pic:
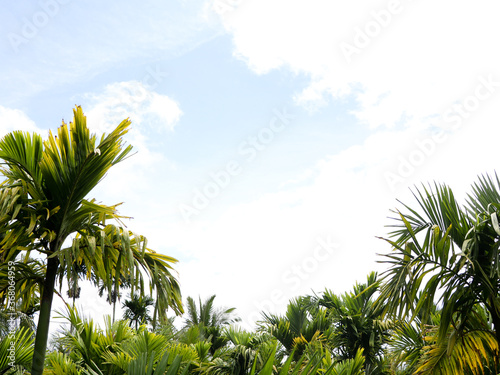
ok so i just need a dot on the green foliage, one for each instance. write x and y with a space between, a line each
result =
443 254
473 351
244 349
447 254
118 349
353 366
86 343
299 327
207 314
16 348
357 323
311 366
85 349
145 365
44 201
406 347
27 274
136 309
206 322
61 364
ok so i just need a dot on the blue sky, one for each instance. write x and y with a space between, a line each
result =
272 137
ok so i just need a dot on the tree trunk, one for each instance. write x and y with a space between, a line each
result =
154 315
42 331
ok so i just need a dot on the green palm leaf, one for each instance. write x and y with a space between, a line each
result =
447 254
44 200
16 349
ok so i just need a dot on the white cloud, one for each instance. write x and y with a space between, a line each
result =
15 119
411 59
135 100
268 247
77 41
257 255
152 115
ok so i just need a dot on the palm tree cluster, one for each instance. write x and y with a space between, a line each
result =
435 310
44 210
207 342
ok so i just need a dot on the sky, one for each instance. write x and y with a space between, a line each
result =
273 138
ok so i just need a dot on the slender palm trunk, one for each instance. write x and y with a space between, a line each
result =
42 331
71 329
154 316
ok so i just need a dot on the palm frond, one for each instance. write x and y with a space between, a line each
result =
16 350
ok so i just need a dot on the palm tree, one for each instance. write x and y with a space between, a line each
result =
448 254
85 348
302 325
358 323
406 346
114 296
166 327
83 344
207 314
208 321
136 309
77 272
245 350
43 202
462 356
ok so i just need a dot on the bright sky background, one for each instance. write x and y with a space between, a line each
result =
273 137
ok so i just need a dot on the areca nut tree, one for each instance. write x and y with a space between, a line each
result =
45 202
446 253
136 310
209 321
303 324
358 323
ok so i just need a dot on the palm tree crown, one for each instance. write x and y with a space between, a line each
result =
447 254
43 201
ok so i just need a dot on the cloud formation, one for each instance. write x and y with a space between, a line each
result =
15 119
404 61
135 100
